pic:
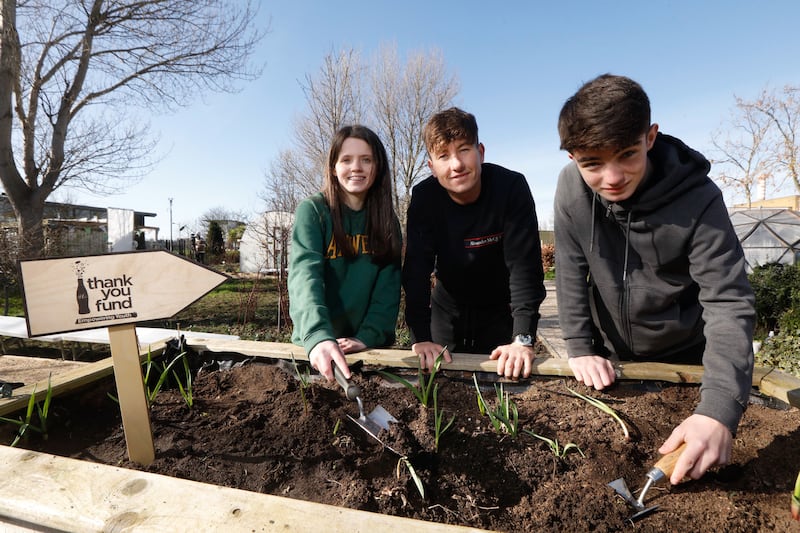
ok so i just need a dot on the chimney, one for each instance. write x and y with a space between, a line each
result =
762 187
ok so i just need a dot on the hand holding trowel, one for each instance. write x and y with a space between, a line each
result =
662 469
378 419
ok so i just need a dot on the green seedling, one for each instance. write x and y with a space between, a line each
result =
185 390
796 499
605 408
337 426
42 411
304 378
184 386
425 387
554 446
162 378
403 461
505 416
438 419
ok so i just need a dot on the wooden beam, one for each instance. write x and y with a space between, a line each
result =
770 381
782 386
70 380
43 491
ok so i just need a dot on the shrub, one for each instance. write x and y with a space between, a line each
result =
781 352
777 291
548 257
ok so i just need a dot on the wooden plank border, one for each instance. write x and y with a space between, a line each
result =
769 381
46 491
43 491
70 380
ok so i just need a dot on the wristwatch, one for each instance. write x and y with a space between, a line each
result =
523 339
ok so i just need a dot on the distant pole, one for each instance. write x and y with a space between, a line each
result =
170 224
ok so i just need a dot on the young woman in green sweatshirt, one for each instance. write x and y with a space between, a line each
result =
344 265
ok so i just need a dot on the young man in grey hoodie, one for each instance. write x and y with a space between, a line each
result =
648 265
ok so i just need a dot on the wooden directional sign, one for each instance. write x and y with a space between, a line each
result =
75 293
115 290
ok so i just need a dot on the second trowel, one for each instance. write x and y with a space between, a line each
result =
378 419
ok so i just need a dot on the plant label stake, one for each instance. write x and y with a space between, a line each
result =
115 290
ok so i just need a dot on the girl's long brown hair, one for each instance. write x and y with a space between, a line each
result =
383 233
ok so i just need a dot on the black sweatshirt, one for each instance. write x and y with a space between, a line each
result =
484 254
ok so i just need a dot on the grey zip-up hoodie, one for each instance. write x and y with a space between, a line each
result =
661 275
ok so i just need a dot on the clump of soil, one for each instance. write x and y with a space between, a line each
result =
251 429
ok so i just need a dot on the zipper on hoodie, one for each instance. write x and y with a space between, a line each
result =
626 293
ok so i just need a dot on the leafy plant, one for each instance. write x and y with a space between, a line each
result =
425 387
605 408
42 412
796 499
505 415
404 461
557 450
781 351
438 419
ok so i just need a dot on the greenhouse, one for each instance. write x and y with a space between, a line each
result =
768 235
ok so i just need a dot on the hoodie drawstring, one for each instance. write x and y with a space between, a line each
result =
591 233
627 247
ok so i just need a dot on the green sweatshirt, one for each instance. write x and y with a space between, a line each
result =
331 296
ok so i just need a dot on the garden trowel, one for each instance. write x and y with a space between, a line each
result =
662 469
372 423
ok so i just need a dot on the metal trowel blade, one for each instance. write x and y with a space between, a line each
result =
621 488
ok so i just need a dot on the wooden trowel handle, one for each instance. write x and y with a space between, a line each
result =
351 390
667 463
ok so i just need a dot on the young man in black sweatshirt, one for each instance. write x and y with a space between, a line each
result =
473 226
648 265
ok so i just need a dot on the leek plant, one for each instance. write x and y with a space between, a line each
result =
796 499
425 387
438 419
403 461
505 416
42 412
304 378
152 366
554 446
605 408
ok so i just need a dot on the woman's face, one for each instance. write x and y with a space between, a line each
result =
355 171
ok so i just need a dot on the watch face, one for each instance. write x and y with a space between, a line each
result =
524 340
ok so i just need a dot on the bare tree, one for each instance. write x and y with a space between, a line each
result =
290 179
403 99
69 69
783 110
743 152
334 100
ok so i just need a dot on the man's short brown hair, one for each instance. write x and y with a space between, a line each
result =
607 112
450 125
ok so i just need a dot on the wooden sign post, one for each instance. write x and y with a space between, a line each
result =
115 290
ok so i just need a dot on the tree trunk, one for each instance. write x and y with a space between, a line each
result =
30 214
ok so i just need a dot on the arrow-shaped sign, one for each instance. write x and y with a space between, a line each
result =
115 290
75 293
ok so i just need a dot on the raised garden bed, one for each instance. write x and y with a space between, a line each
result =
249 429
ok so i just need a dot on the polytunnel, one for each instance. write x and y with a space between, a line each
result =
768 235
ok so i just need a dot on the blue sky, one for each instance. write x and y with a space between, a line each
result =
516 61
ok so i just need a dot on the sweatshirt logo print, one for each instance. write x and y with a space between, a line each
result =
359 242
480 242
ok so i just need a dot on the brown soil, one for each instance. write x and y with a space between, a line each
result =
249 429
